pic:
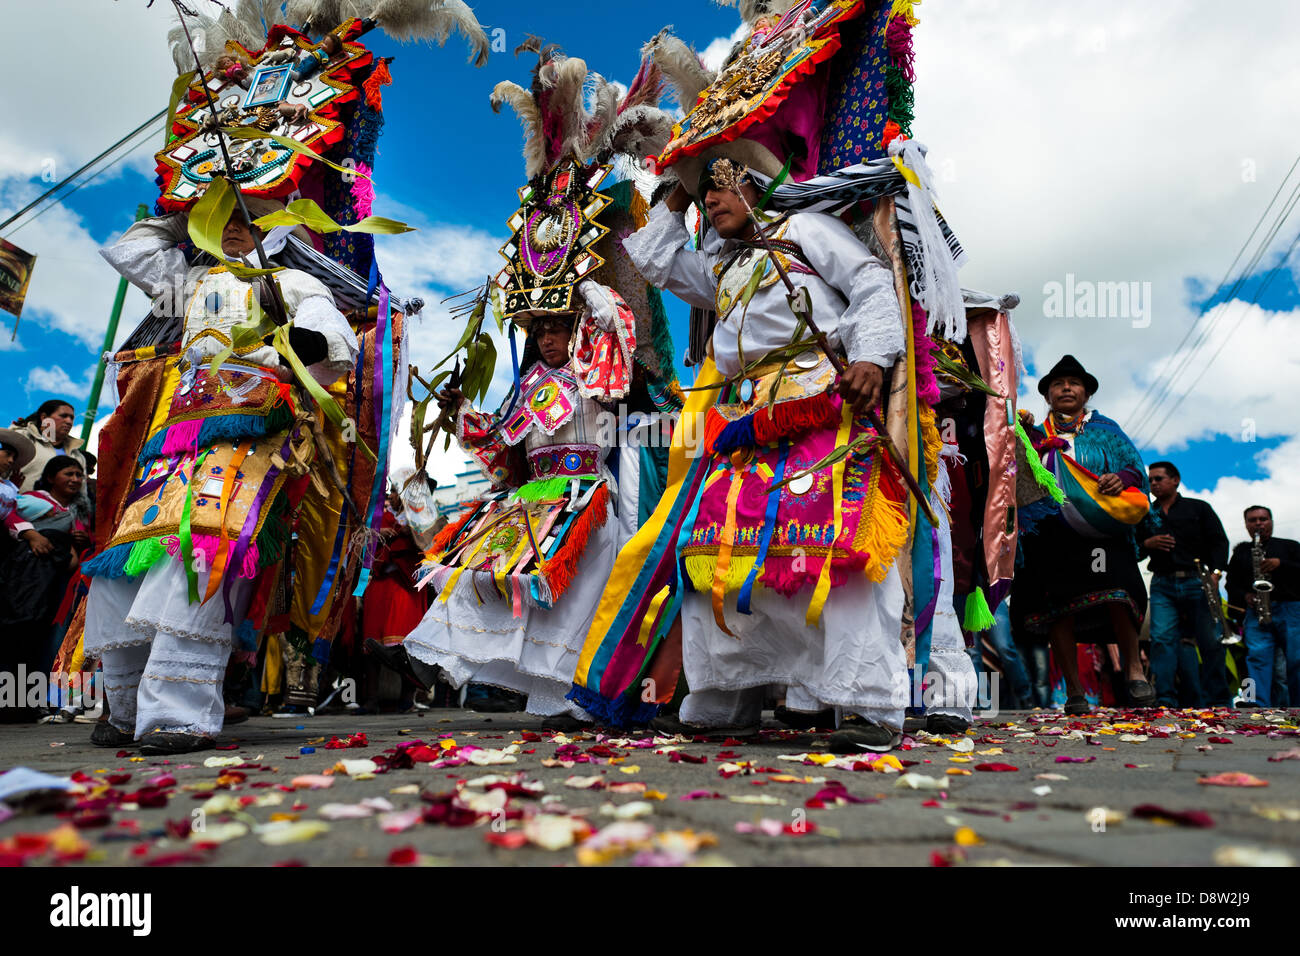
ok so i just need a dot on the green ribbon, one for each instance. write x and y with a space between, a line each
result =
187 539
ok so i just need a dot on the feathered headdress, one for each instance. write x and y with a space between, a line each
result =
248 24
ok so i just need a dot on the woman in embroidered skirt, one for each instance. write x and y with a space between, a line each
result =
1080 582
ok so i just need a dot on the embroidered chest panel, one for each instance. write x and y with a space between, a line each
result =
734 274
548 399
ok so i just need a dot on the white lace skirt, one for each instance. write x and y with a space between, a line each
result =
853 659
477 639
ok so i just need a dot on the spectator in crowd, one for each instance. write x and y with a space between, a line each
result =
49 428
1175 534
1274 626
392 606
1080 581
16 451
50 532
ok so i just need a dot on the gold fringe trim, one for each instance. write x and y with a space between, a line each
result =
931 443
701 569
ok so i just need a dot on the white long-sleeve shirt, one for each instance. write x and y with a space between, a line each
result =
147 256
852 294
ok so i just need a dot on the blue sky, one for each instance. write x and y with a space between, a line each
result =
1065 140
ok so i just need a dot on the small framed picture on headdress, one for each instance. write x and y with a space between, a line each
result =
270 84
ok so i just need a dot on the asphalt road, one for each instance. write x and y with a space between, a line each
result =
458 788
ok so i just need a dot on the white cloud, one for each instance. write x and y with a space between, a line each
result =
111 72
716 52
1279 491
55 379
1093 139
72 287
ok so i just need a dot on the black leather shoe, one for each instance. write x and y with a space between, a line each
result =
565 723
864 736
945 725
1141 694
106 735
164 743
1077 707
803 720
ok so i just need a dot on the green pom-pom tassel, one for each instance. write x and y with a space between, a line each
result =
544 490
978 616
145 553
1045 478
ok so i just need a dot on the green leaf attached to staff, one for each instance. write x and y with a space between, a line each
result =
207 221
328 406
305 212
836 456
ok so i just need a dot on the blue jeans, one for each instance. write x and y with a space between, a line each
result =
1261 646
1178 611
1017 694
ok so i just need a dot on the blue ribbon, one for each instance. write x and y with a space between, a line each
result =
769 525
383 416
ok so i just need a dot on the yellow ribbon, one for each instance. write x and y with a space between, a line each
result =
823 589
727 539
652 616
451 582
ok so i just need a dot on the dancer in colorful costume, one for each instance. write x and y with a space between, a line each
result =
247 485
808 102
520 573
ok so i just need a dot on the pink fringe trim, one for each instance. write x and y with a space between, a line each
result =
182 437
898 41
778 572
210 544
363 192
927 386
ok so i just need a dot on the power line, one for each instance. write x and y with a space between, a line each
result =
1245 311
57 186
1163 387
1208 328
85 182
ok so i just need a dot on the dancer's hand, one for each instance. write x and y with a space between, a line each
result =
450 398
678 199
860 386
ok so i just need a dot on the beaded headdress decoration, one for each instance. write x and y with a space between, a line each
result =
553 238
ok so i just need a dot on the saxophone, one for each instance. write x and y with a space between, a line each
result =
1263 586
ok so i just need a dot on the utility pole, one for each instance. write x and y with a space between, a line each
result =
92 406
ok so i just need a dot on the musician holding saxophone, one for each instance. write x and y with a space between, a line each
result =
1181 537
1264 578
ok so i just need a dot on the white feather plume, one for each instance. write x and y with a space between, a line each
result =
566 78
639 131
603 115
522 102
432 20
681 66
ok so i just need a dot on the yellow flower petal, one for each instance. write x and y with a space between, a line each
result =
965 836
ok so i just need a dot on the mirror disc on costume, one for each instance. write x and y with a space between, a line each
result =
746 390
807 360
543 396
150 515
213 302
801 485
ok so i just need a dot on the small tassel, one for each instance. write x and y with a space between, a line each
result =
379 77
978 617
1045 478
